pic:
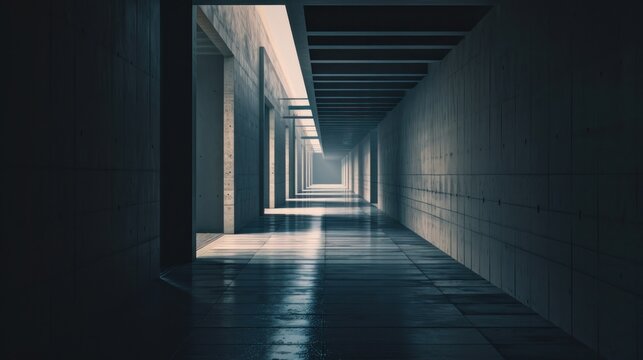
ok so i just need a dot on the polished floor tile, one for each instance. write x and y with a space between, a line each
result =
330 277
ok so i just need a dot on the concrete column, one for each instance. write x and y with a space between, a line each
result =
306 165
291 173
300 166
287 163
209 144
296 164
304 169
263 141
177 236
350 172
228 145
346 170
228 120
350 180
310 168
307 168
373 167
271 159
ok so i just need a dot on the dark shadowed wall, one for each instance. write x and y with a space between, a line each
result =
82 139
520 156
362 163
209 140
80 147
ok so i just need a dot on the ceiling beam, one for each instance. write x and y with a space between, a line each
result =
349 111
359 61
368 74
355 76
358 104
364 89
297 19
345 2
381 47
367 81
360 97
387 33
299 107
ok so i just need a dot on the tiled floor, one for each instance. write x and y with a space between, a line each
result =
329 277
203 239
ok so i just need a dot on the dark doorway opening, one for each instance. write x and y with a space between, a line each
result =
209 139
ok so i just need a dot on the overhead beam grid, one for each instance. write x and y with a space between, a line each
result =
359 61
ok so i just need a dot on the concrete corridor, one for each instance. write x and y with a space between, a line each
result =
163 161
329 276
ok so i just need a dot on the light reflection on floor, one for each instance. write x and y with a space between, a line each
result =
327 276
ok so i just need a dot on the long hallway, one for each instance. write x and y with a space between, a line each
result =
322 179
329 276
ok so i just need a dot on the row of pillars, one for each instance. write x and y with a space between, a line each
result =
178 126
304 160
355 164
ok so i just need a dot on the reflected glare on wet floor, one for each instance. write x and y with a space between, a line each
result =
327 276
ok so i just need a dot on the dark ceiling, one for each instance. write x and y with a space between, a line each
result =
362 59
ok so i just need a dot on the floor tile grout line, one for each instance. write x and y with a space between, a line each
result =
214 304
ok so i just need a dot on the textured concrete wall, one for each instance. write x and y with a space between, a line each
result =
364 163
288 162
519 155
301 168
280 160
373 166
290 145
79 138
351 172
355 171
344 171
241 29
365 160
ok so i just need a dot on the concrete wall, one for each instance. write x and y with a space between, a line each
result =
79 138
373 164
363 165
81 152
241 29
345 181
291 157
279 165
209 143
298 167
356 171
289 165
519 155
